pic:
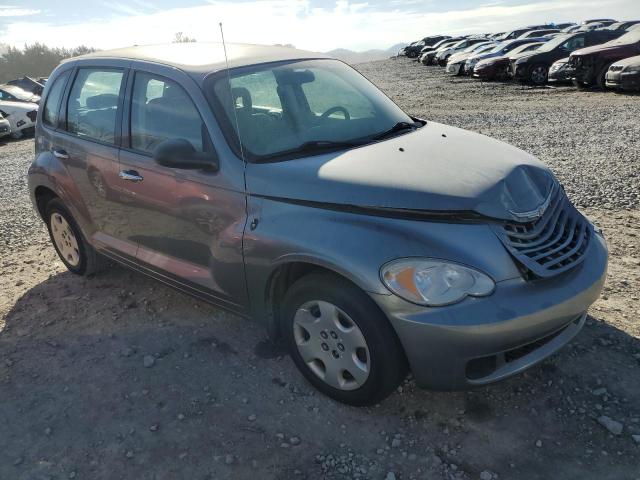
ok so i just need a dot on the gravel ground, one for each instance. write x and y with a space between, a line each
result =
118 376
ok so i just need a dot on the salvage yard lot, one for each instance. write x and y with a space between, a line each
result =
118 376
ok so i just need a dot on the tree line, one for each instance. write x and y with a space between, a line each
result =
36 60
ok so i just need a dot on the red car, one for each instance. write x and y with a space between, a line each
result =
497 68
589 65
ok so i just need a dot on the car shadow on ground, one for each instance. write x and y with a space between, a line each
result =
119 376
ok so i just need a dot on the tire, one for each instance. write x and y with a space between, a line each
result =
579 85
378 367
601 79
77 255
539 74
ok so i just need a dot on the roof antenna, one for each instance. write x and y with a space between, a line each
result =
233 103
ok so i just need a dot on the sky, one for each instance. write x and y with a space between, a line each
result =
318 25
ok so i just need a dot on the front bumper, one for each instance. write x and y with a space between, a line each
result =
623 80
483 340
454 68
559 76
519 72
489 72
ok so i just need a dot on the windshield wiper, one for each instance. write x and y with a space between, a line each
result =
398 127
316 146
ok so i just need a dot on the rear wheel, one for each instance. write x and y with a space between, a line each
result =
77 255
341 341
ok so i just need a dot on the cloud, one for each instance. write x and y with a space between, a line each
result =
358 24
15 11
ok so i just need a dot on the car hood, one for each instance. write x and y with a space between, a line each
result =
435 170
484 56
522 55
460 57
629 61
9 106
492 61
602 48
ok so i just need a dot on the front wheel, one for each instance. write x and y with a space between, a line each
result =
341 341
539 74
601 79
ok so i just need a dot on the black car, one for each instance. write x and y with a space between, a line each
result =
518 32
533 67
413 50
428 54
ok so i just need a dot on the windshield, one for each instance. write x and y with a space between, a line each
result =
526 47
554 42
441 42
477 47
630 37
287 106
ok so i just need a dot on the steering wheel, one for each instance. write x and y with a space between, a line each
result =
342 110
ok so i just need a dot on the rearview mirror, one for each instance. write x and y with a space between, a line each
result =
180 153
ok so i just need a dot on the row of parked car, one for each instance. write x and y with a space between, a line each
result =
19 101
596 53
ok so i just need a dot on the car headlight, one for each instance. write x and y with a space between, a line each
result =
632 69
433 282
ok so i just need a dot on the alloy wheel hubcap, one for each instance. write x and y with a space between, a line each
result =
539 75
65 240
332 345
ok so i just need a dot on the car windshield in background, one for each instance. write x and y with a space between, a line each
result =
553 43
299 108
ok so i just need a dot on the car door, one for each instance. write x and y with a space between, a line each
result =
188 224
86 146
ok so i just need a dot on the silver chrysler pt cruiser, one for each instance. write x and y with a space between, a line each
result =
283 186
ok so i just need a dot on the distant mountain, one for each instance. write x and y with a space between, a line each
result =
349 56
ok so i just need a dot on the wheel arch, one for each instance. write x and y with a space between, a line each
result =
284 274
43 195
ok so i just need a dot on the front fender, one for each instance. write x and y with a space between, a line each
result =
356 245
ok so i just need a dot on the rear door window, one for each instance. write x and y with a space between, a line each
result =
161 110
93 104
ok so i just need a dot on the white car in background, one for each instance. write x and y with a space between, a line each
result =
21 116
5 127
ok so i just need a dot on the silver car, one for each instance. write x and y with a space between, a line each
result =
285 187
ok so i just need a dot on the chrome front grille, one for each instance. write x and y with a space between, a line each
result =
551 244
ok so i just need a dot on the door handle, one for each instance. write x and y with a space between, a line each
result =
60 154
130 176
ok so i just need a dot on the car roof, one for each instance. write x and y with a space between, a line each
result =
203 57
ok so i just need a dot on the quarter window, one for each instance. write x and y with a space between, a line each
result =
162 110
93 104
50 112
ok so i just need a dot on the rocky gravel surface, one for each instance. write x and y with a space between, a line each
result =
120 377
588 138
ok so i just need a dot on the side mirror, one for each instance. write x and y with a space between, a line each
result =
180 153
